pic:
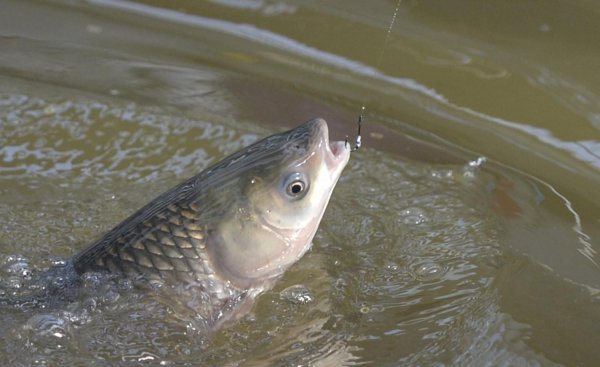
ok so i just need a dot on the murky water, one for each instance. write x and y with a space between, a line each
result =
421 259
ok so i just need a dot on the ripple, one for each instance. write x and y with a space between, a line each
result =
428 271
46 137
297 294
405 249
45 326
414 216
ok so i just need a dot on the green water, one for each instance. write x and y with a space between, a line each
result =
421 259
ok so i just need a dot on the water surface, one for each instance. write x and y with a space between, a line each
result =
423 258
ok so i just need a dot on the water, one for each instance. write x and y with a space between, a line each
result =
427 255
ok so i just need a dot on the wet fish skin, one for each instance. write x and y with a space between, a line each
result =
222 237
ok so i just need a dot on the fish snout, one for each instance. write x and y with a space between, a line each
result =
336 153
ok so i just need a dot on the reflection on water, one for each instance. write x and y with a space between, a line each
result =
416 263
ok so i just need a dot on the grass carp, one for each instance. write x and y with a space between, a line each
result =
219 239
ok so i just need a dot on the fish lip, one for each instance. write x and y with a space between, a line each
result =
337 152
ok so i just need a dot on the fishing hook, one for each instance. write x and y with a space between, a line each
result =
358 141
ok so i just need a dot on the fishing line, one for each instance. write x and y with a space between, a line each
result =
358 141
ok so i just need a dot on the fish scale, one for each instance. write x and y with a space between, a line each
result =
167 245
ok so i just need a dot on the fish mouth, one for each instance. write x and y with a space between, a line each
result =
338 149
337 153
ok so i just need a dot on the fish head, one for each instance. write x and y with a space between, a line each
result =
284 188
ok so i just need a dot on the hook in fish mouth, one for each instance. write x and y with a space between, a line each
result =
358 141
335 153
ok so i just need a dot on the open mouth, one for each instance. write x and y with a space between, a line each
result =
337 148
337 153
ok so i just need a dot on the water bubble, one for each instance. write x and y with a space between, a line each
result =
366 309
48 325
297 294
18 268
413 216
392 266
111 296
91 279
428 270
78 318
58 262
471 168
477 162
442 174
26 274
13 283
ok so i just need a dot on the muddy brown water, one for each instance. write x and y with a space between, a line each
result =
421 259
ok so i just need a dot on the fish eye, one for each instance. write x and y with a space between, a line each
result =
296 188
296 185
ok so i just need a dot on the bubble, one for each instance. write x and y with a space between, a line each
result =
413 216
297 294
13 283
58 262
428 271
78 318
480 161
18 268
471 168
392 266
48 325
366 309
111 296
442 174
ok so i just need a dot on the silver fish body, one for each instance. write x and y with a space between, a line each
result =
224 235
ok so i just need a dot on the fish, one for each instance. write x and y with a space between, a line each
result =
224 236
